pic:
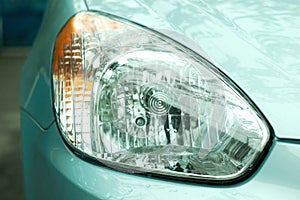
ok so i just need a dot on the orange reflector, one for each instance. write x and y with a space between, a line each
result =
82 22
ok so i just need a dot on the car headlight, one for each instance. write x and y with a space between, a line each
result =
137 101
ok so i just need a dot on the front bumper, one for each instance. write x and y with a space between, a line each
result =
52 171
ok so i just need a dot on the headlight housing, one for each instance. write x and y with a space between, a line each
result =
137 101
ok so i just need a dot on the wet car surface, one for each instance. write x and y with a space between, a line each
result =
255 47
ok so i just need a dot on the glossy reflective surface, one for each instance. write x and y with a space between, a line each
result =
256 43
132 98
35 95
54 172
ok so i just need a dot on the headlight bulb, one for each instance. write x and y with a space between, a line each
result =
158 100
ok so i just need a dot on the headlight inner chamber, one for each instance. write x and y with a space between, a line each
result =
138 101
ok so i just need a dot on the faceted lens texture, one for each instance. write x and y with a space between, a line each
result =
137 101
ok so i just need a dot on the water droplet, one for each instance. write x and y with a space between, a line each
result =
173 190
108 196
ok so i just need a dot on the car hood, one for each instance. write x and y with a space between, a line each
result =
256 43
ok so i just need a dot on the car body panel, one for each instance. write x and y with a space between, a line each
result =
237 41
36 96
266 70
255 43
52 171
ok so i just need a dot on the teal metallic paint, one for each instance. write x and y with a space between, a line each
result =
54 172
35 96
256 43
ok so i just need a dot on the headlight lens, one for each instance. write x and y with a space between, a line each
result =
138 101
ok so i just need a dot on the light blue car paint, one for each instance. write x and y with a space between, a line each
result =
256 43
52 171
36 97
236 36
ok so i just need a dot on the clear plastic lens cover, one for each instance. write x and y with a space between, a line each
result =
138 101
